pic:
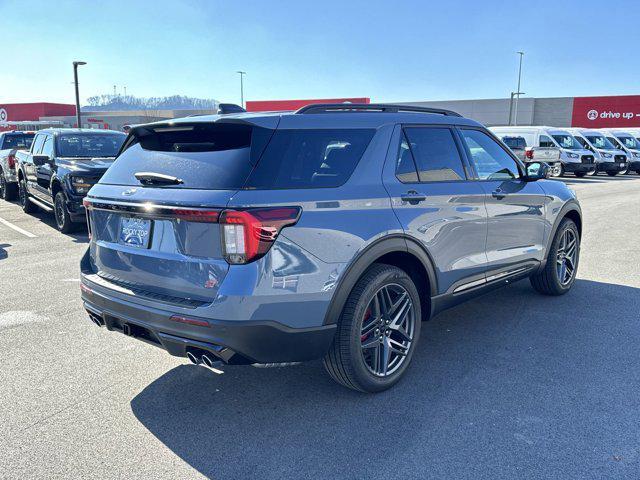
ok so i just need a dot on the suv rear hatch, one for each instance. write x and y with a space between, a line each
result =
153 217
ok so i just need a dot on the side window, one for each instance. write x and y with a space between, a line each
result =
37 144
405 166
489 158
435 154
47 146
582 141
546 141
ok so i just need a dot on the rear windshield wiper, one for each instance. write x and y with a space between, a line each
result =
152 178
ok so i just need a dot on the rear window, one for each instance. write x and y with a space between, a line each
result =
21 141
206 156
89 145
515 142
310 158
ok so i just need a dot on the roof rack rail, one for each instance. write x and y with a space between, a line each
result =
372 107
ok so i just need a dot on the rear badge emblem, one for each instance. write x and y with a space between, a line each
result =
131 191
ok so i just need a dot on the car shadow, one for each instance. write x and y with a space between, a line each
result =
80 235
3 252
502 383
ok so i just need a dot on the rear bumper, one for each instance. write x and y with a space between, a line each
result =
10 176
579 167
234 342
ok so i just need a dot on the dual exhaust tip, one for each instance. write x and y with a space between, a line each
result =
204 359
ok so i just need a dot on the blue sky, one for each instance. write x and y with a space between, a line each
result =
389 51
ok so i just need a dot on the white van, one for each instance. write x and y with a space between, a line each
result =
627 141
573 157
609 159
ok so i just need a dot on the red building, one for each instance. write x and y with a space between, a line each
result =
18 112
282 105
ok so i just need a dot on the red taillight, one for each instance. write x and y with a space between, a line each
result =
11 161
528 154
248 234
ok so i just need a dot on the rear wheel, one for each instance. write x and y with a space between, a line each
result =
23 196
591 173
580 174
7 190
377 331
612 174
63 219
559 273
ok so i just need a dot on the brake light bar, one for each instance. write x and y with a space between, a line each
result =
247 234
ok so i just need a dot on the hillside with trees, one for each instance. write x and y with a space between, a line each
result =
130 102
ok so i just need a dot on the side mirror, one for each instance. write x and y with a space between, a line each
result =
40 160
537 171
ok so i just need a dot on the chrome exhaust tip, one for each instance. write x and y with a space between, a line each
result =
206 359
192 358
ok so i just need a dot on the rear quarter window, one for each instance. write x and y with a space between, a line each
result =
310 158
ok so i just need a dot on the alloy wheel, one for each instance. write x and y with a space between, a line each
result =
60 213
567 257
388 329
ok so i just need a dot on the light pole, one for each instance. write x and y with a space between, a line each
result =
517 92
75 80
242 74
513 94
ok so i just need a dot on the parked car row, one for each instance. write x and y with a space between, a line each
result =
579 151
53 169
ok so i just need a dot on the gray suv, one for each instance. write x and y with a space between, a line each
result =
331 232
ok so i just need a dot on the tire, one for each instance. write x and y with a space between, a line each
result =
548 281
7 190
592 173
63 219
612 174
23 196
580 174
638 172
556 170
355 354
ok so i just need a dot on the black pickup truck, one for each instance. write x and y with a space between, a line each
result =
60 168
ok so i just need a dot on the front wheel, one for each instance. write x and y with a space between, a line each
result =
559 273
377 331
63 219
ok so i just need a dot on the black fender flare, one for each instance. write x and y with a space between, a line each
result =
570 206
368 256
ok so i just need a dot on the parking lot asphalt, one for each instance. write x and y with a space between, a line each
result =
511 385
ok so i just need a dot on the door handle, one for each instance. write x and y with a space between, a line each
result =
498 194
413 197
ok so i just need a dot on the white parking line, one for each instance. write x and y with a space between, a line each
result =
16 228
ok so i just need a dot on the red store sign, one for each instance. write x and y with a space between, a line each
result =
602 112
